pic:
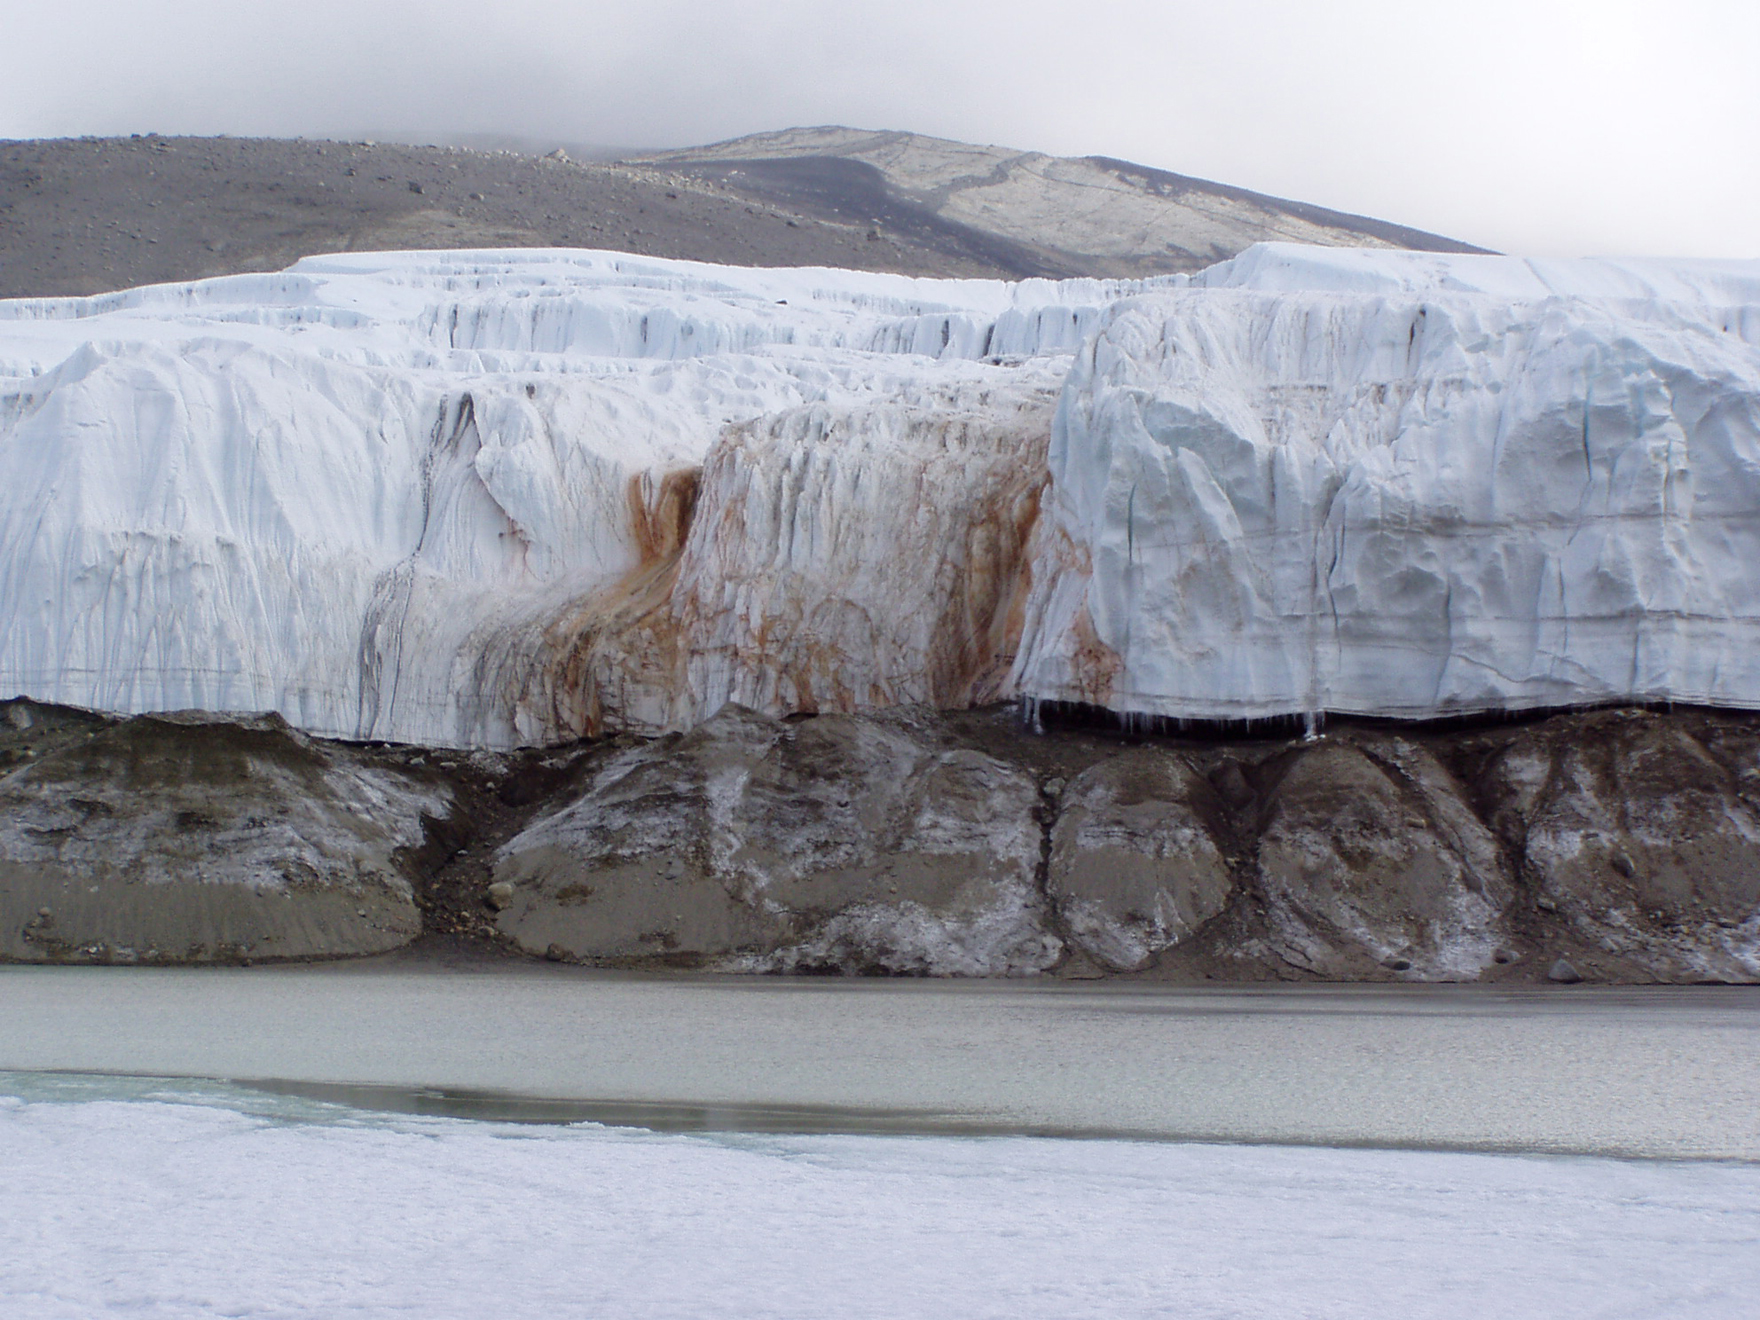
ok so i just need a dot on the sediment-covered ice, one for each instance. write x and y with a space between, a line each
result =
507 497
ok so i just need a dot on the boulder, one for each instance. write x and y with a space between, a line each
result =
840 843
200 838
1135 865
1372 862
1642 840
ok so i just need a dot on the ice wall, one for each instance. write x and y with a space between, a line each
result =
503 497
417 496
1403 484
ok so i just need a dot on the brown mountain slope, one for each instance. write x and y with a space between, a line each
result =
91 214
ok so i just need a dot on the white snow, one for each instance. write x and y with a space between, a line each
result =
444 497
203 1205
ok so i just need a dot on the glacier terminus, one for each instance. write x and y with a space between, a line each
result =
502 498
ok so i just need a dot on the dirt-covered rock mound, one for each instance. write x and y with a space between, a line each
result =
1642 834
195 838
841 843
1369 856
1136 865
1609 846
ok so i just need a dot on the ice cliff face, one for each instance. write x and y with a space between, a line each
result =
418 497
1408 485
513 497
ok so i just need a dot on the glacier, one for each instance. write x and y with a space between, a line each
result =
490 499
1408 485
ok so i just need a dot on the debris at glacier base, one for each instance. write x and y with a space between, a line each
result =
199 838
843 843
902 842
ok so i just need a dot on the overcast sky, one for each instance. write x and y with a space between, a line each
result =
1538 126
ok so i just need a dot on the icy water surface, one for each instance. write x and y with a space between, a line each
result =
1669 1071
1319 1153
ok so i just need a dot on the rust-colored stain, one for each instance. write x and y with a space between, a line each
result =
622 634
1096 665
762 578
979 628
660 510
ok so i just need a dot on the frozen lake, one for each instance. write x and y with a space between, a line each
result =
201 1201
1668 1071
1318 1152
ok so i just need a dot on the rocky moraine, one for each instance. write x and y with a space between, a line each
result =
1616 845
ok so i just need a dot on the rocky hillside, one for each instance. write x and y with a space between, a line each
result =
1615 846
90 215
1037 214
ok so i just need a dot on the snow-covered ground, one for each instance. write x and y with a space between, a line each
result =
208 1203
486 498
